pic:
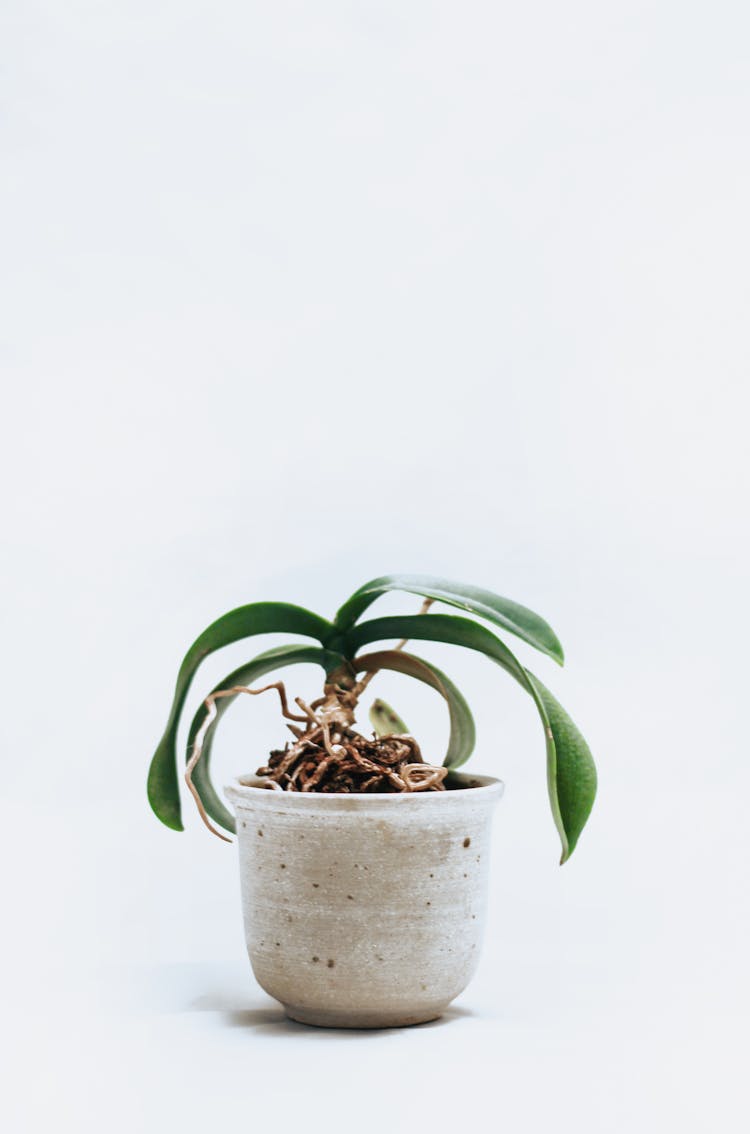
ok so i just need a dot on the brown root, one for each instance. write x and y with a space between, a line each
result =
200 736
346 761
327 754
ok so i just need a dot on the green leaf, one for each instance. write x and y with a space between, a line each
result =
386 720
462 734
519 620
264 663
571 774
244 622
437 628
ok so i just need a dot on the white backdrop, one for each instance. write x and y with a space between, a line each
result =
295 295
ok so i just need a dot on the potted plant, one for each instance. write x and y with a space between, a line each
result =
363 865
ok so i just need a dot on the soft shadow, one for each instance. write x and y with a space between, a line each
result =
233 1008
269 1021
447 1017
273 1021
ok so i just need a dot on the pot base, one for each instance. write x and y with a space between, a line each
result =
322 1018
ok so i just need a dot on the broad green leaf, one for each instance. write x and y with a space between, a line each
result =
462 734
571 774
437 628
251 671
244 622
386 720
519 620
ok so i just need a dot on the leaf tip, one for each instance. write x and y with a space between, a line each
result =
167 810
168 818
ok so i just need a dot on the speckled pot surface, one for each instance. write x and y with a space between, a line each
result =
364 911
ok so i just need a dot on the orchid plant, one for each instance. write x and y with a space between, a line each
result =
327 754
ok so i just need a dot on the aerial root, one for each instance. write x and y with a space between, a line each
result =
422 777
327 755
200 736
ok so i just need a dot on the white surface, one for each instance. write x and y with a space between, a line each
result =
295 295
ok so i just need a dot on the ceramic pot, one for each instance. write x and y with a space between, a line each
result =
364 911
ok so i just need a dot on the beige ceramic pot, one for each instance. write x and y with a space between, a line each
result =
364 911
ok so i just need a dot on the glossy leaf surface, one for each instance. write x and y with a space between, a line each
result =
244 622
571 774
244 675
517 619
462 732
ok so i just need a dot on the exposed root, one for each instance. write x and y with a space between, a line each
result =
327 754
422 777
200 736
346 761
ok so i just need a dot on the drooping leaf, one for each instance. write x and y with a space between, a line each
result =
462 733
517 619
449 628
571 774
244 622
386 720
244 675
571 778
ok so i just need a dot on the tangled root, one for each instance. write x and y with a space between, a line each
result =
327 755
342 760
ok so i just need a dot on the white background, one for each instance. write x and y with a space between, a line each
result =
294 295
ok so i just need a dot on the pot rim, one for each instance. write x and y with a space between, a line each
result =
250 787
